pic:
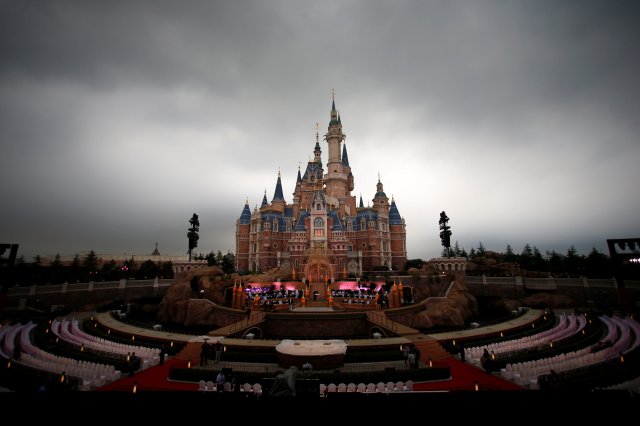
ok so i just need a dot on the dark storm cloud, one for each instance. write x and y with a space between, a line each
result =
118 120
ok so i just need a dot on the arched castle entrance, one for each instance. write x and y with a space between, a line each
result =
319 269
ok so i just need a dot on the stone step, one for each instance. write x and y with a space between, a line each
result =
429 348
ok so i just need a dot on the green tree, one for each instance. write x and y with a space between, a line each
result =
148 270
56 270
110 271
90 264
526 258
480 251
555 262
211 259
166 271
509 255
538 261
456 249
228 262
413 263
573 262
597 265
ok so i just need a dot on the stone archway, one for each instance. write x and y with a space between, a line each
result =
319 269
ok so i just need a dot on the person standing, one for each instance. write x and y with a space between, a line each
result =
218 351
163 352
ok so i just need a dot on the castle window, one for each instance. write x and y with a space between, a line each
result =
318 222
318 206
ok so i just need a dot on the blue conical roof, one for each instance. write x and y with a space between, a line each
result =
394 214
361 203
245 216
277 195
345 157
264 199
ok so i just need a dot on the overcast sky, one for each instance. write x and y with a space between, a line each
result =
119 120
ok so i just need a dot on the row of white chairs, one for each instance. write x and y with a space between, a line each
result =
527 373
210 386
368 388
71 332
91 375
566 327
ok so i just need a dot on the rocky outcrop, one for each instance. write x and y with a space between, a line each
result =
174 305
453 310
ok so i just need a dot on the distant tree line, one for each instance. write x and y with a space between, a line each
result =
570 264
86 269
225 262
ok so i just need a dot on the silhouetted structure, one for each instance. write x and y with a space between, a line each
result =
625 259
445 232
193 233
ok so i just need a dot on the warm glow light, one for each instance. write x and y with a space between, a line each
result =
583 332
133 338
550 344
57 338
9 364
135 387
454 342
621 358
109 331
172 344
501 334
476 386
430 363
46 331
533 325
189 364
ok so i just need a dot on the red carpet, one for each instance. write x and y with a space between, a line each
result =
152 379
464 377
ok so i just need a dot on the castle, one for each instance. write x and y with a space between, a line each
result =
322 234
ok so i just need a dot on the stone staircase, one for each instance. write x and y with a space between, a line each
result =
429 348
190 352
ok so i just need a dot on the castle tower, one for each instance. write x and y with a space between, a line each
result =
338 179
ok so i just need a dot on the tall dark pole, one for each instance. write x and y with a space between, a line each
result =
445 232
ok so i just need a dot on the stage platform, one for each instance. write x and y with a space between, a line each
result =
313 309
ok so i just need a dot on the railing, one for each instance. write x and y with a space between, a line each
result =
382 320
90 286
255 318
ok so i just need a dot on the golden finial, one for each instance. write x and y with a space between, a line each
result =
378 177
333 94
317 134
278 171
